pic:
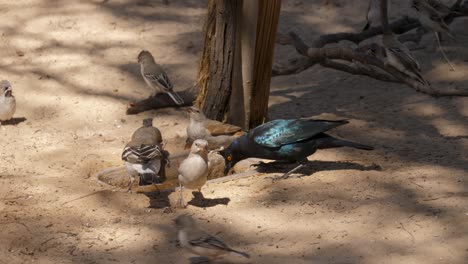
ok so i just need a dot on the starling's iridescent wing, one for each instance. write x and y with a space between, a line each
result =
286 131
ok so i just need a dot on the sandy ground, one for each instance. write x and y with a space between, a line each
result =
73 69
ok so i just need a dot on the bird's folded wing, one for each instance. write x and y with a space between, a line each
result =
406 59
217 128
208 241
286 131
141 154
160 79
438 7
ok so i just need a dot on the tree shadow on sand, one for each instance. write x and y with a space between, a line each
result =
314 166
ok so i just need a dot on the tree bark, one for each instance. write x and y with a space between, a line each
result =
248 34
220 88
216 69
268 17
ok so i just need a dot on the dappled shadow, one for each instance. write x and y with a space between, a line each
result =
159 199
74 78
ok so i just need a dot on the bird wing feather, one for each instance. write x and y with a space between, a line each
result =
141 154
208 241
286 131
406 59
160 79
155 74
217 128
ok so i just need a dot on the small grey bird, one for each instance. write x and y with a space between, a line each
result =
438 7
399 57
193 171
430 17
7 101
372 14
156 77
199 242
430 14
218 134
144 155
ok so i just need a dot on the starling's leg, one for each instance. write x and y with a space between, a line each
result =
442 51
302 163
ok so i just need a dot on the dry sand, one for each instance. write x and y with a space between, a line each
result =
73 69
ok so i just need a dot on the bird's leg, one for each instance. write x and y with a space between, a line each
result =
442 51
130 185
302 163
180 202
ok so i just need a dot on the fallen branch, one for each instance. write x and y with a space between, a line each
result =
324 55
295 66
160 100
358 70
399 27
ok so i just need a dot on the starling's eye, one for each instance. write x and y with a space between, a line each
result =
229 157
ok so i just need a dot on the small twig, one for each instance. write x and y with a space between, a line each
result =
437 198
419 185
412 236
81 197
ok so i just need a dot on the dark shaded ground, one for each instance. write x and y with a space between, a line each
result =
73 70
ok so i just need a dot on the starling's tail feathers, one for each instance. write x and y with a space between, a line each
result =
344 143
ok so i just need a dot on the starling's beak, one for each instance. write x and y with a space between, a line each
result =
189 110
227 167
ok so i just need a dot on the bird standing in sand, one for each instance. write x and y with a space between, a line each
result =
218 134
7 101
199 242
144 155
156 77
290 140
193 171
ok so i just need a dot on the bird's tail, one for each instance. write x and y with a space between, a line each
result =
243 254
345 143
176 98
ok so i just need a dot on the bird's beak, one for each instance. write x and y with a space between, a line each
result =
227 167
189 110
8 92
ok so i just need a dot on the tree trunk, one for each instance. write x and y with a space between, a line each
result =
248 34
267 25
216 68
224 86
